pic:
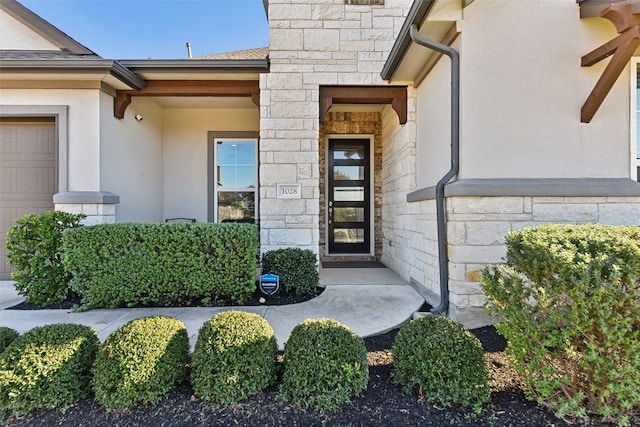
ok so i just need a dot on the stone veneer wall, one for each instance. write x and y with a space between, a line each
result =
476 228
398 180
96 213
98 206
311 43
363 123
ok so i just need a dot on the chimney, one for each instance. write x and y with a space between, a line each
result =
188 50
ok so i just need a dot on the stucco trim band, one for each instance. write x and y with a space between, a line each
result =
543 187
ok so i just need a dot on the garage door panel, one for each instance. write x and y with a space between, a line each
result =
28 175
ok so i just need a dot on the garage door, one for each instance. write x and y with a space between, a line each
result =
28 173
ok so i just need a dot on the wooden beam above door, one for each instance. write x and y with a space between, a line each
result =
396 96
214 88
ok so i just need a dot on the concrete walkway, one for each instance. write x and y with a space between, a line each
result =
369 301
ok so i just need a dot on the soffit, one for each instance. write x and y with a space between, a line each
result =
204 102
593 8
417 56
436 20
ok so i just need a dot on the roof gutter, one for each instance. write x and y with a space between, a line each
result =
105 66
197 65
441 220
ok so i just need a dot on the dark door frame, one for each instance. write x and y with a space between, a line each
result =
366 248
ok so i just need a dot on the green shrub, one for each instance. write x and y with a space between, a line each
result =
47 367
325 365
116 265
297 269
7 336
141 362
234 357
443 361
34 248
569 297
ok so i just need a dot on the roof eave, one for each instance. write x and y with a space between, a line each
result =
92 65
593 8
43 27
417 14
197 65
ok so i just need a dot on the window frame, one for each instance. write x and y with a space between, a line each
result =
213 190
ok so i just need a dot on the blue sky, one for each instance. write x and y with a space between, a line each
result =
157 29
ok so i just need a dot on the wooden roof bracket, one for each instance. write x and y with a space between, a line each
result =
394 95
622 48
222 88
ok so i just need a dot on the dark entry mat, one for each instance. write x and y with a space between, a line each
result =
353 264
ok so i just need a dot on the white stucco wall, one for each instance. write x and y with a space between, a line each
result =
434 124
185 155
131 159
16 36
522 90
83 129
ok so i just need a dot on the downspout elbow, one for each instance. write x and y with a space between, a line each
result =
441 221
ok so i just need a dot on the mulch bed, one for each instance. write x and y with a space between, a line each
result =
257 298
382 404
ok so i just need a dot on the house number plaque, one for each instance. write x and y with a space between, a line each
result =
289 191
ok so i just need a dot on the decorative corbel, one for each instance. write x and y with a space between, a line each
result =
120 104
622 48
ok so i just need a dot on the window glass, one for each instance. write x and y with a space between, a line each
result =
348 235
352 173
236 206
235 178
236 162
348 214
348 194
351 152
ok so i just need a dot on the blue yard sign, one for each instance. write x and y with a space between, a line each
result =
269 284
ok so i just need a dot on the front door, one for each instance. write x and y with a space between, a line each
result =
349 196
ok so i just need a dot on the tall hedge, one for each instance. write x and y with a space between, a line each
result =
34 248
569 297
115 265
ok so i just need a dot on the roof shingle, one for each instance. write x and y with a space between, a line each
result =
257 53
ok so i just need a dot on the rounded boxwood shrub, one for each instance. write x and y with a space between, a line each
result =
234 357
7 336
34 248
325 365
297 269
443 361
47 367
141 362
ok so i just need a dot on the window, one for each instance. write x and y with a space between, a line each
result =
234 180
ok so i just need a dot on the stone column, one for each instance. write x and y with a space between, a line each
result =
311 43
